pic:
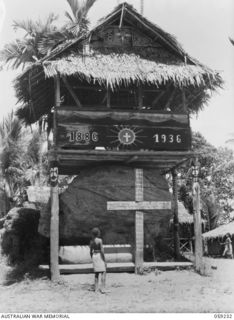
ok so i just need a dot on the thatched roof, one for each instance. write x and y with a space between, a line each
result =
161 62
183 215
220 231
115 69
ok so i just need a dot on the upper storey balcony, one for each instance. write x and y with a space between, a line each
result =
121 93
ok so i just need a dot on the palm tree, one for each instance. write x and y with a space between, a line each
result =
231 140
27 50
35 160
77 25
42 37
11 152
78 22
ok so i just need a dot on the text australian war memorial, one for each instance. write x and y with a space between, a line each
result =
118 103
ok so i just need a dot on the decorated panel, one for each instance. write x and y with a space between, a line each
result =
125 36
114 130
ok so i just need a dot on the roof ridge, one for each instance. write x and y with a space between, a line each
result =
172 41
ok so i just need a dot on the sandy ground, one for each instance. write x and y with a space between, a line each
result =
168 291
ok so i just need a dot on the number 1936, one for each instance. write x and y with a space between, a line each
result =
167 138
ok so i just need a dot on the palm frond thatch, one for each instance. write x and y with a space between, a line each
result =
115 69
165 64
184 216
219 232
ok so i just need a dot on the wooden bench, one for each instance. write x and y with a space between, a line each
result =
81 254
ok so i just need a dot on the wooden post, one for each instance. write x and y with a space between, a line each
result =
108 97
72 93
184 103
175 216
140 97
54 221
139 222
197 219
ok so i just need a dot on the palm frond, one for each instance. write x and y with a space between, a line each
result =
74 29
88 5
67 14
49 41
75 6
231 40
26 25
14 171
19 52
31 28
30 48
78 22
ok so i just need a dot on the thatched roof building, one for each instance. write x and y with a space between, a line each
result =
220 231
123 50
184 216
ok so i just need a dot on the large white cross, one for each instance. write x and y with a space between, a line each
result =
137 206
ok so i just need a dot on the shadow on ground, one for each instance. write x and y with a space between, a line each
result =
22 272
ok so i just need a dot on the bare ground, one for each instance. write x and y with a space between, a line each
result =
168 291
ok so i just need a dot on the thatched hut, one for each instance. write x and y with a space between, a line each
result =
213 239
124 50
186 228
124 93
184 217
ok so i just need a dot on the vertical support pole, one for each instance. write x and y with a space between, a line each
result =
54 225
54 221
140 97
108 97
184 103
175 216
139 222
197 219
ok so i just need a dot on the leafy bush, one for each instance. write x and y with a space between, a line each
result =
21 240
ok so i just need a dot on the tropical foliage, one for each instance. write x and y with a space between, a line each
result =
40 37
19 159
77 21
11 141
23 165
216 181
30 48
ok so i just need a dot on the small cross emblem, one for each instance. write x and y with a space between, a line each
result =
126 136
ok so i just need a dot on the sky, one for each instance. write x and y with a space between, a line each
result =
202 27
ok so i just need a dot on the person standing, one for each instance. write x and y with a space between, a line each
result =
228 252
98 258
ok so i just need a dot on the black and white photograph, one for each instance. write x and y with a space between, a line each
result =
116 158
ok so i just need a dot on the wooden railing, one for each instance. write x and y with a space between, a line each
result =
186 244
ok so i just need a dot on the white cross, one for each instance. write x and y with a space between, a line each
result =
127 136
137 206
